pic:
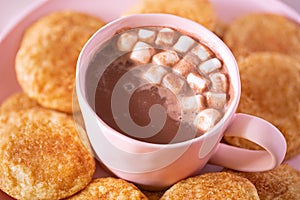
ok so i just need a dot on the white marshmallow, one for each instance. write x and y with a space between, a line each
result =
201 52
183 67
155 74
165 37
126 41
173 83
210 65
192 103
146 35
183 44
219 82
207 119
197 82
192 58
216 100
142 53
165 58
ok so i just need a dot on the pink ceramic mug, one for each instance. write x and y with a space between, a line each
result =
161 165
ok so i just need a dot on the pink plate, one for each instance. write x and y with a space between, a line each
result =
108 10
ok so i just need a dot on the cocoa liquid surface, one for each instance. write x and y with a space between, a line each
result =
108 66
141 100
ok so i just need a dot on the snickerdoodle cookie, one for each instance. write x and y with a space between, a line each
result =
16 102
282 182
201 11
42 156
258 32
216 185
46 60
270 90
109 188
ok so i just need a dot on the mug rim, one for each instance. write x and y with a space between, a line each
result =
119 24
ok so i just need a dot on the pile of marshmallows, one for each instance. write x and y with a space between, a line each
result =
199 69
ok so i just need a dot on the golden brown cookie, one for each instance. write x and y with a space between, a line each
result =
220 28
41 155
217 185
263 32
270 90
16 102
201 11
46 60
109 188
282 182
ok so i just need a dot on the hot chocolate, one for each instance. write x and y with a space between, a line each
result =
157 66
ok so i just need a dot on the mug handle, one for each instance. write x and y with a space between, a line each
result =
258 131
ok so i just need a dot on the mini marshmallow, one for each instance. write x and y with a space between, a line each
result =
192 103
210 65
173 83
155 73
165 37
126 41
142 53
201 52
216 100
219 82
146 35
183 44
207 119
191 58
196 82
183 67
165 58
